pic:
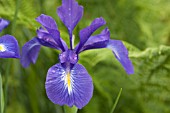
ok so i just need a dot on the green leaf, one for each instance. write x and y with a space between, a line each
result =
116 101
149 84
1 96
151 52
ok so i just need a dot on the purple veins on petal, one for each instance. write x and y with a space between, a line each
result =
88 31
30 52
121 53
70 13
98 41
9 47
3 24
69 87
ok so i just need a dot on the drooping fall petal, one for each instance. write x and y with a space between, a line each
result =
30 52
9 47
69 87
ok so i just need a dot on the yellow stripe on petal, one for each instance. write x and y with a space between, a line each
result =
69 82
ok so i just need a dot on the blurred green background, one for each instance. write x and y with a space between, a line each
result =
143 25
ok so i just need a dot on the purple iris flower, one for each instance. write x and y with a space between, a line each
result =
8 44
67 82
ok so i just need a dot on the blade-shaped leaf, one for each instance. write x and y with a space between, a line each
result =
1 96
116 101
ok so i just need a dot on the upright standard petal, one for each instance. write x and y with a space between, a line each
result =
69 87
70 13
98 41
3 23
121 53
51 26
88 31
9 47
30 52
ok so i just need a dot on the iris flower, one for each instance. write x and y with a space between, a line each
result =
67 82
8 44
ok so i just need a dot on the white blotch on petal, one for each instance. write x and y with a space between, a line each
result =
68 81
2 48
114 51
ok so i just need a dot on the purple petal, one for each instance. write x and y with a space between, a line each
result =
88 31
51 27
47 21
46 39
3 24
99 41
70 13
9 47
121 53
30 52
56 36
69 87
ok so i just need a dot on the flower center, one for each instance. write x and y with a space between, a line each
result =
68 56
2 48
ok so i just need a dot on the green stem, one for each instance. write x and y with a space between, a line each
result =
6 84
70 110
8 65
117 99
1 95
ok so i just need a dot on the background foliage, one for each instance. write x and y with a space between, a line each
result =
143 25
